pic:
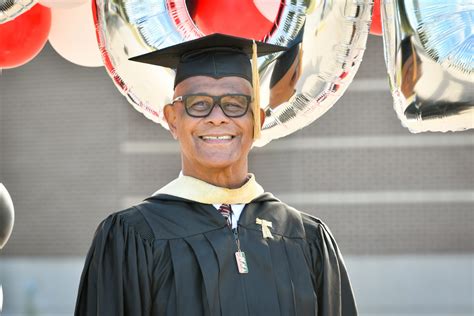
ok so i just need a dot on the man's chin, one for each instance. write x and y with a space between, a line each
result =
218 165
215 162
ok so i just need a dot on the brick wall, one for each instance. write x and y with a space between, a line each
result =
64 131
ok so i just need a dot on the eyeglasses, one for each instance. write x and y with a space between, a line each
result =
201 105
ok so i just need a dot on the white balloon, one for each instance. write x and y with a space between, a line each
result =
62 4
73 36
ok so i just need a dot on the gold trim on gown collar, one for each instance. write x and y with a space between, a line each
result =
197 190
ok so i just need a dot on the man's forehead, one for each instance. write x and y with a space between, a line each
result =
204 84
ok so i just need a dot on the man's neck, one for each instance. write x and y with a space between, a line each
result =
225 178
193 189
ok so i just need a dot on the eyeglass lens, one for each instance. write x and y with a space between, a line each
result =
202 105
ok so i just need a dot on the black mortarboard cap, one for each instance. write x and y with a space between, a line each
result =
215 55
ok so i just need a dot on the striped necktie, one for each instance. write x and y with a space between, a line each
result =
226 211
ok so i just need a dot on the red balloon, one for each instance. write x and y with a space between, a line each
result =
376 26
244 18
23 38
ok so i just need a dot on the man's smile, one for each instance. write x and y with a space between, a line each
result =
216 138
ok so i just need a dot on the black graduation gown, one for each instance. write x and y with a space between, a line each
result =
171 256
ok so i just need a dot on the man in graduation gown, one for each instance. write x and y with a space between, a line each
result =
212 242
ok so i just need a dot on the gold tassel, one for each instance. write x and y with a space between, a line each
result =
256 93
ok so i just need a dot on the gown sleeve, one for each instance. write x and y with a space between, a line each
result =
333 287
117 272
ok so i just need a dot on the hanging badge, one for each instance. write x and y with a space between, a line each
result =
241 262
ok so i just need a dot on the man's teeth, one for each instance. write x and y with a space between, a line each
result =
216 137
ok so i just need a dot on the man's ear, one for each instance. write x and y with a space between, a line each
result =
170 117
262 117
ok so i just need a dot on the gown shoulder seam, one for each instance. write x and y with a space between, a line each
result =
133 217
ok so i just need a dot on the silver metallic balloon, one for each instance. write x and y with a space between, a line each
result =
429 52
333 44
10 9
7 216
328 40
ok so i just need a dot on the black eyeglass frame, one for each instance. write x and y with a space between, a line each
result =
216 100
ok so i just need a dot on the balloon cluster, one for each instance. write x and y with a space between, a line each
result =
26 26
326 41
428 49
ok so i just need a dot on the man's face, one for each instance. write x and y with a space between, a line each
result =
198 137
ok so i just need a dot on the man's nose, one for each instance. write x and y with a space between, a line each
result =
217 116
